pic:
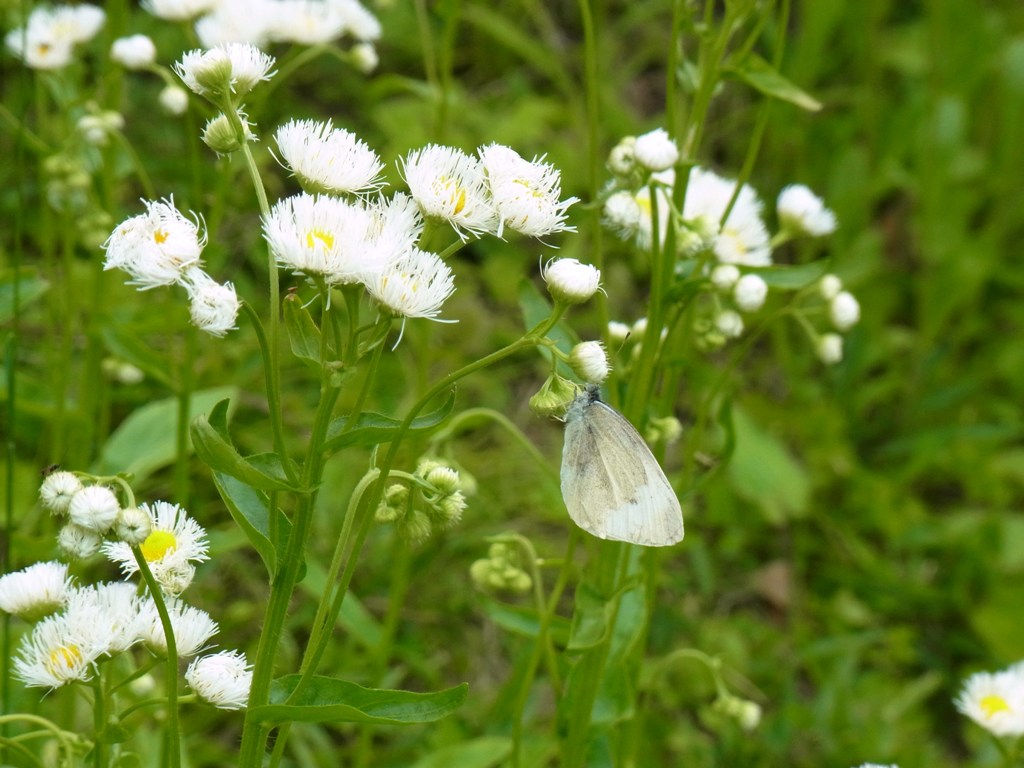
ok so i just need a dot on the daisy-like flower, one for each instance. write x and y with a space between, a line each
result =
234 68
324 236
222 679
416 285
590 362
238 21
175 540
35 591
57 489
743 238
48 38
213 306
449 184
995 701
655 150
110 611
133 52
663 199
526 193
328 159
155 247
192 628
178 10
622 214
571 282
95 508
60 649
803 212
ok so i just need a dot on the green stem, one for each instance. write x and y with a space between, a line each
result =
99 718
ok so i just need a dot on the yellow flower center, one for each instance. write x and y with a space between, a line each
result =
160 236
993 704
63 660
319 237
456 195
158 544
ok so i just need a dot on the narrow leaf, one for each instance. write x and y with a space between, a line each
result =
249 509
524 621
763 77
484 752
795 277
374 428
329 700
303 335
213 445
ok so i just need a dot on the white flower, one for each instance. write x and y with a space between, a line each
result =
328 159
238 21
802 212
192 628
110 611
77 542
323 236
178 10
174 541
223 679
655 150
590 362
232 67
829 287
526 193
213 306
174 99
449 184
48 38
724 276
57 489
133 52
750 292
844 310
663 198
155 247
743 238
414 286
95 508
877 765
830 348
35 591
307 22
729 323
995 701
571 282
59 650
623 213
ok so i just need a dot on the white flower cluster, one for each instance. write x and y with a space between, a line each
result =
843 312
163 247
995 700
50 34
261 22
81 626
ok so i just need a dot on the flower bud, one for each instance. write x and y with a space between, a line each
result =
221 135
94 507
78 543
133 525
133 52
724 276
174 100
622 158
57 491
571 282
829 287
553 397
589 361
830 348
729 323
844 311
656 151
750 292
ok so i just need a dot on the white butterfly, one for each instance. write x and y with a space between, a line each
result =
612 485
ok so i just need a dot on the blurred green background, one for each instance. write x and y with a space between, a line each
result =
864 551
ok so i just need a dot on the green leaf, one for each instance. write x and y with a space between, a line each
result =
250 510
589 619
524 621
28 285
213 445
374 428
795 277
303 335
145 441
763 77
485 752
328 700
765 474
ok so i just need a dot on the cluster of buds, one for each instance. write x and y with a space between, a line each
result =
501 569
430 499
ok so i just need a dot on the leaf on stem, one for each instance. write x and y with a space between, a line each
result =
249 509
374 428
793 277
764 78
303 334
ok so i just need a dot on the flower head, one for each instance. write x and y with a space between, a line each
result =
449 184
178 10
35 591
590 362
174 542
60 649
57 489
526 193
155 247
571 282
231 68
110 611
328 159
133 52
742 237
416 285
48 38
223 679
995 701
213 306
803 212
192 628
